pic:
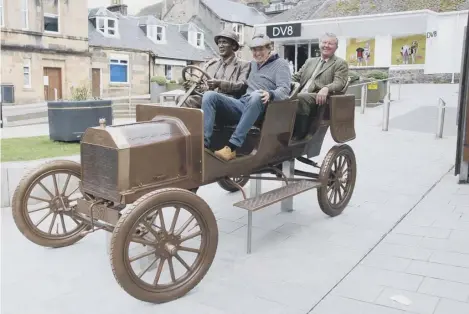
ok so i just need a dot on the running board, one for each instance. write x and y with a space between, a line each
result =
263 200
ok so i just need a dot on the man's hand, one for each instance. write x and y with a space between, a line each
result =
186 84
212 84
265 96
321 96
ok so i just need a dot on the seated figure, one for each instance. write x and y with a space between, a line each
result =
269 80
229 72
319 77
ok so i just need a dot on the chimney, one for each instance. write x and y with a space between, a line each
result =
118 6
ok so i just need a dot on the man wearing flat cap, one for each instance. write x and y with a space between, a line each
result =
229 72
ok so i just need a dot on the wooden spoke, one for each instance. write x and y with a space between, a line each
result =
52 223
158 272
181 230
188 249
191 236
179 258
143 272
171 270
175 218
142 255
43 218
66 184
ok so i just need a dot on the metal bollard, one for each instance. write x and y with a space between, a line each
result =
386 108
441 118
363 98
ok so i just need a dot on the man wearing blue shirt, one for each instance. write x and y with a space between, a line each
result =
269 80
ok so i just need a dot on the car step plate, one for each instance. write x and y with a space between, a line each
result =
272 197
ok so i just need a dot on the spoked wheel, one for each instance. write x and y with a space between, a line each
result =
164 245
43 204
227 185
338 174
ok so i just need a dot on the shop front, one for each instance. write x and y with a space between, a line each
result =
422 40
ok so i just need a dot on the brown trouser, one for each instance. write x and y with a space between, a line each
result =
306 103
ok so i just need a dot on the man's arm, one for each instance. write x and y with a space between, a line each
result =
283 79
238 85
340 77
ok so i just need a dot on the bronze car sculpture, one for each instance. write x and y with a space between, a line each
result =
129 173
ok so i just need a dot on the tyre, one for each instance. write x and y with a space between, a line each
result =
338 174
43 184
164 245
227 185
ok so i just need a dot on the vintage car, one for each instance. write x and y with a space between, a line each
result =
130 173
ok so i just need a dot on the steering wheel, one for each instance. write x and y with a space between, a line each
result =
197 81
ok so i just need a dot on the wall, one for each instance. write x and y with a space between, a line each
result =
139 72
75 72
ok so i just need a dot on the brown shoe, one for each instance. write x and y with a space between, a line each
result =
226 153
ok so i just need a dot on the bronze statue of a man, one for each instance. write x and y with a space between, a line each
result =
229 72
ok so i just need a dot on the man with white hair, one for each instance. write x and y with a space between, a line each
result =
319 77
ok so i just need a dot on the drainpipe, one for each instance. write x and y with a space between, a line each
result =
149 71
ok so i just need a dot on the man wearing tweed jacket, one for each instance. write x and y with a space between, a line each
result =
318 77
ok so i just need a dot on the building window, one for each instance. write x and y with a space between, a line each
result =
223 25
238 29
107 26
119 69
27 73
1 13
25 14
199 40
51 16
155 33
168 73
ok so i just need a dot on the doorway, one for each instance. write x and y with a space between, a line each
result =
52 84
304 52
96 82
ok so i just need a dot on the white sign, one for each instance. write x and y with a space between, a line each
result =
46 81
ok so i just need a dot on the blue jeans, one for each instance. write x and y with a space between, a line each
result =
246 110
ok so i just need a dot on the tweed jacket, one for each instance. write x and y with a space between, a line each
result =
334 74
233 81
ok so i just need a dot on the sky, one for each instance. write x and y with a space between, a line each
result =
134 6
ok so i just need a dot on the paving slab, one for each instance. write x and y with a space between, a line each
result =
301 262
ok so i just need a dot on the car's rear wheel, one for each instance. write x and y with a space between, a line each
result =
338 174
227 185
163 246
45 198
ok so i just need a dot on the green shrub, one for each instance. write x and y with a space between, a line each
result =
354 76
173 81
160 80
80 93
377 75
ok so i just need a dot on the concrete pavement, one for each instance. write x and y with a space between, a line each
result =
401 237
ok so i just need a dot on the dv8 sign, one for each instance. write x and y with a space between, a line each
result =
284 30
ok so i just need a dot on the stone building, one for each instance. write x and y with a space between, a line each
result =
212 16
127 51
44 49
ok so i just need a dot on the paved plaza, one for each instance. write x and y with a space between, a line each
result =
401 246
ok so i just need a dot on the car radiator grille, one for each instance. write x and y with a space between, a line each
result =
100 170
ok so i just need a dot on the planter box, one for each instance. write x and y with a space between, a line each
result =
173 86
155 91
68 120
376 96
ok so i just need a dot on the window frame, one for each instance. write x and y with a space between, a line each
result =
25 14
154 31
168 67
106 27
51 15
202 40
119 60
27 64
2 16
238 28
